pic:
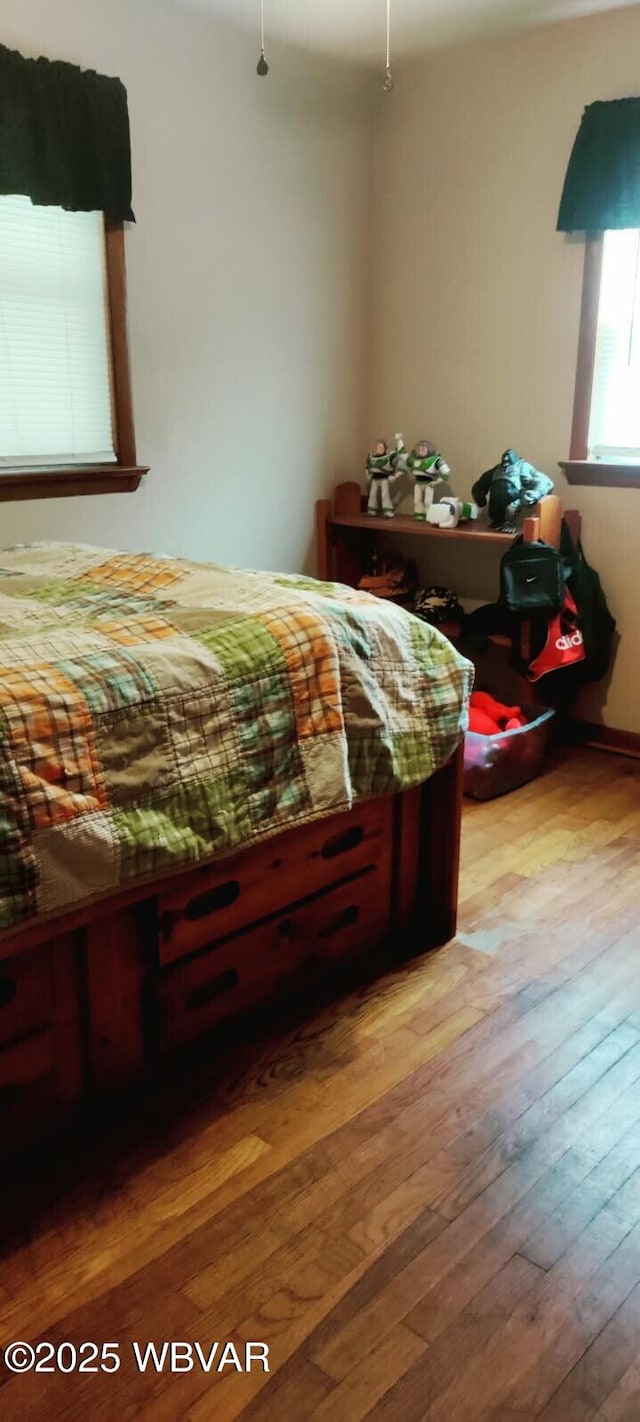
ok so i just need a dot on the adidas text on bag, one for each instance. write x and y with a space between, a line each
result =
564 646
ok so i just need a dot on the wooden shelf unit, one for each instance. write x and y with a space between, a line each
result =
404 523
346 533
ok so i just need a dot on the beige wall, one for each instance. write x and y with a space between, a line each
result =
477 297
247 281
259 367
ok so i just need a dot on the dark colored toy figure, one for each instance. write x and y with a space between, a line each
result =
437 605
509 487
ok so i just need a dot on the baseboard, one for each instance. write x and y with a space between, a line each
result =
606 738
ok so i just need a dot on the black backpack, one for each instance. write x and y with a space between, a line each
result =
596 622
531 580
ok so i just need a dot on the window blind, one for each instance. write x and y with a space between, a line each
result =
55 381
614 429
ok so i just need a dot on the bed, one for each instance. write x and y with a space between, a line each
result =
214 784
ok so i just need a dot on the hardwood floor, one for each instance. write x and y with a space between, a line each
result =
425 1198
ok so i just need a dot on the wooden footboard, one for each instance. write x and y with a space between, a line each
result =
94 998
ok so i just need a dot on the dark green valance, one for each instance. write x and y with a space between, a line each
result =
64 136
602 185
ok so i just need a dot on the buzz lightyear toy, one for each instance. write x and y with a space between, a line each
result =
427 466
449 512
383 465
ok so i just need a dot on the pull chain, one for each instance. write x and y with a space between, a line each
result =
262 67
388 78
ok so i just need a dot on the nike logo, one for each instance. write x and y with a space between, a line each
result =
531 580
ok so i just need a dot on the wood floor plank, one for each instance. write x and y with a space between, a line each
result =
432 1374
623 1405
293 1392
375 1378
567 1223
546 1334
600 1370
468 1165
406 1289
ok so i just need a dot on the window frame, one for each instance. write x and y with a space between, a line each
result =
125 474
578 469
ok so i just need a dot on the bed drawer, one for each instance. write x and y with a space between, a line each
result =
28 1079
223 898
25 993
239 972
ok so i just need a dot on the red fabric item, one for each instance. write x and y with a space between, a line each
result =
482 724
484 702
564 644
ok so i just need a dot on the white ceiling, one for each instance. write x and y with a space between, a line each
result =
356 28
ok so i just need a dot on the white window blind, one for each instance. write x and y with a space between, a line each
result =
614 428
55 382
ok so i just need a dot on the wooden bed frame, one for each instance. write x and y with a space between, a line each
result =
97 996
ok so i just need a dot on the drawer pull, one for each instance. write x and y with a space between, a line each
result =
8 991
342 843
201 906
221 897
345 919
207 992
10 1094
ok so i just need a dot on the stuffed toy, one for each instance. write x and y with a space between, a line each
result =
480 724
488 717
509 487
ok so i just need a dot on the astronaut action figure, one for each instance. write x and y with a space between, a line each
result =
427 466
383 465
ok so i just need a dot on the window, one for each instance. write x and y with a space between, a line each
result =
614 426
65 399
605 442
55 384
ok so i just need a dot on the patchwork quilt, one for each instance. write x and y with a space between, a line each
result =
155 712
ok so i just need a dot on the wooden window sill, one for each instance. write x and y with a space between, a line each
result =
598 473
65 483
